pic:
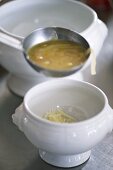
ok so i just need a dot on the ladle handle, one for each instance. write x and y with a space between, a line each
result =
10 40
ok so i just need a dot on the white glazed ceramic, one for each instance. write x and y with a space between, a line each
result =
22 16
65 144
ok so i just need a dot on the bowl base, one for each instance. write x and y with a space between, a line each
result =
20 85
64 161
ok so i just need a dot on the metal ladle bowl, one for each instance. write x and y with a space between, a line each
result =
46 34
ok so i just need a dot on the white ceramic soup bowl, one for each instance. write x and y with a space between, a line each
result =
21 17
65 144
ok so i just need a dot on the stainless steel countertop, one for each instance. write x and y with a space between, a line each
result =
17 153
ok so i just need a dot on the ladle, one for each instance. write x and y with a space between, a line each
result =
45 34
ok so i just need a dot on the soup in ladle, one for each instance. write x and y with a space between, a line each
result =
58 54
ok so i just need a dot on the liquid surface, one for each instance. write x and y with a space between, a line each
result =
58 54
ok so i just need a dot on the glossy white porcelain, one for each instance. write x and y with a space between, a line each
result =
23 16
65 144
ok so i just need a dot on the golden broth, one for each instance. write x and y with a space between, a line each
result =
58 54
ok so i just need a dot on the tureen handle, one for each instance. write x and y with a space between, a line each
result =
102 28
110 117
96 35
19 117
